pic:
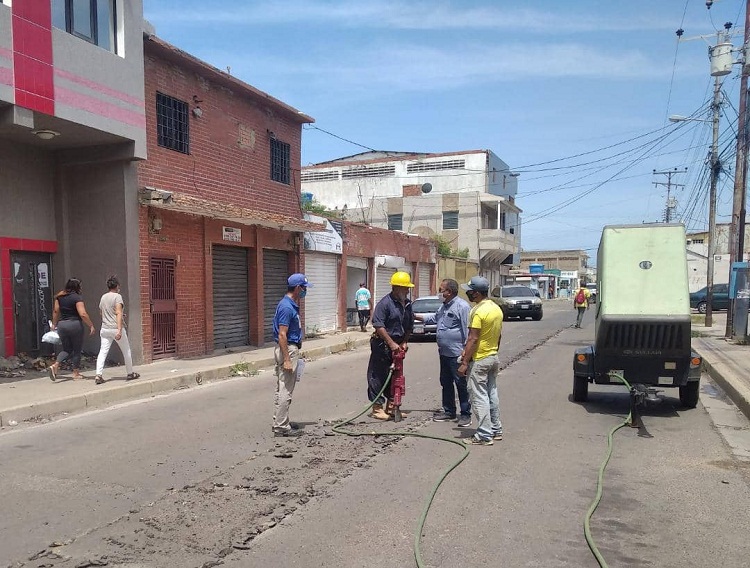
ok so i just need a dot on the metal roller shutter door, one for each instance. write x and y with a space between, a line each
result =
382 282
424 279
321 302
275 274
231 306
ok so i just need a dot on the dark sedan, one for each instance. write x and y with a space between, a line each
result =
720 298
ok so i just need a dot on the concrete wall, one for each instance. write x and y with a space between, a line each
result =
6 55
500 182
97 212
340 192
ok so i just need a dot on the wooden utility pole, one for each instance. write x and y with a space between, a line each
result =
715 170
737 229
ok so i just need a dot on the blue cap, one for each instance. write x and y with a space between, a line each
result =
478 284
298 280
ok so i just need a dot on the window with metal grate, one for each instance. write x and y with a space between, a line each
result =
450 220
280 161
396 222
172 124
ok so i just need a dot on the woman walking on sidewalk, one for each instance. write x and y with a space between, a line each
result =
68 318
111 308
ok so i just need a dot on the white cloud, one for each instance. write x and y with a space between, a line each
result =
408 15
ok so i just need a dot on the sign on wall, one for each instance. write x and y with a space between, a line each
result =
323 241
231 234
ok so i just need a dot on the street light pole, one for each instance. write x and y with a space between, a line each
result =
715 169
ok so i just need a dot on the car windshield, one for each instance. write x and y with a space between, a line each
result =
517 292
426 306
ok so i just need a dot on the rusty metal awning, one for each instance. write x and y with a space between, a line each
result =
182 203
496 259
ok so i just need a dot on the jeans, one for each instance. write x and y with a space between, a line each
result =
579 319
484 396
107 336
285 381
71 336
377 370
451 382
364 317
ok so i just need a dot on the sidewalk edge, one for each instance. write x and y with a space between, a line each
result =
735 389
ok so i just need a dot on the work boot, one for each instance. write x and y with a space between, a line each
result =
378 413
389 410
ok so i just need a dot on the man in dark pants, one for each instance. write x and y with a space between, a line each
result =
393 321
452 321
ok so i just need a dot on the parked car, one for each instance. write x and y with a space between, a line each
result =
518 301
720 298
425 306
591 287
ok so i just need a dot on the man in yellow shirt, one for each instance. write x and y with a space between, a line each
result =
581 303
479 360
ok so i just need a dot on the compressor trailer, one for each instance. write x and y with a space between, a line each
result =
642 330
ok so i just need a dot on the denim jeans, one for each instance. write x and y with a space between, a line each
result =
579 319
451 382
484 397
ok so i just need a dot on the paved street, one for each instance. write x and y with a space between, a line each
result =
194 478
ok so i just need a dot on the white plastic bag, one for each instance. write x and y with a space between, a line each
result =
300 368
51 337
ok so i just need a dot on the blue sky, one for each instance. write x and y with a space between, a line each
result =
572 94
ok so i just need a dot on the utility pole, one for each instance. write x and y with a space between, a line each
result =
715 170
737 230
671 201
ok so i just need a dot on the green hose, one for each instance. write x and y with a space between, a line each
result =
600 484
428 502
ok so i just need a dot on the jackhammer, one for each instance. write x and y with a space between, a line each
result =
398 383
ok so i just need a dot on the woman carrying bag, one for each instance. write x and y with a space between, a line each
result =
68 319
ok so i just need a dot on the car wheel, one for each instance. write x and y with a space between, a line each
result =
581 388
536 317
689 394
701 307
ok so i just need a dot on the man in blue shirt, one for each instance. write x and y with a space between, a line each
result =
452 329
364 305
393 321
287 333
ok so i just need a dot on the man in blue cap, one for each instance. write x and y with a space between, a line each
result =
287 333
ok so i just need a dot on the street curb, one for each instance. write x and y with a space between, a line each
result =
149 387
736 391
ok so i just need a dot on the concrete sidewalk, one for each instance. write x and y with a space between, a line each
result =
726 362
37 398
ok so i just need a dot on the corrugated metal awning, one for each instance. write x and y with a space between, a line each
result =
181 203
496 260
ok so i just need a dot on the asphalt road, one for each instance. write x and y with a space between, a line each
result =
194 478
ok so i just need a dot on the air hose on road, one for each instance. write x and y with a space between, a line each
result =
338 428
600 483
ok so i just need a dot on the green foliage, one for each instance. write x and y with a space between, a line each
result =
316 208
444 248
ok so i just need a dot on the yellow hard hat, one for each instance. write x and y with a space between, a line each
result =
401 279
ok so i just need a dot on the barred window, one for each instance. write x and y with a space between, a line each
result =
450 220
396 222
172 124
280 161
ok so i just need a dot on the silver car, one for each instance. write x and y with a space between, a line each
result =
425 306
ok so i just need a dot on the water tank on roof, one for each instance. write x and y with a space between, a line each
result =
536 268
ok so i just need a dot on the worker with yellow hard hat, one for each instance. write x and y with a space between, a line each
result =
393 320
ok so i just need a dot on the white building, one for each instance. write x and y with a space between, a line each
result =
467 198
697 256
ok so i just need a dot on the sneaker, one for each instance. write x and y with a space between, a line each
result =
474 441
497 436
443 417
464 421
286 433
132 376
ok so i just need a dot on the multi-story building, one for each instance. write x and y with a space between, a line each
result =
220 220
72 125
697 256
566 270
467 199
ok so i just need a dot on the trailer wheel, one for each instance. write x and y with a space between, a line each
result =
581 388
689 394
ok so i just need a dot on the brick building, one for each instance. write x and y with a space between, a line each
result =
220 221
